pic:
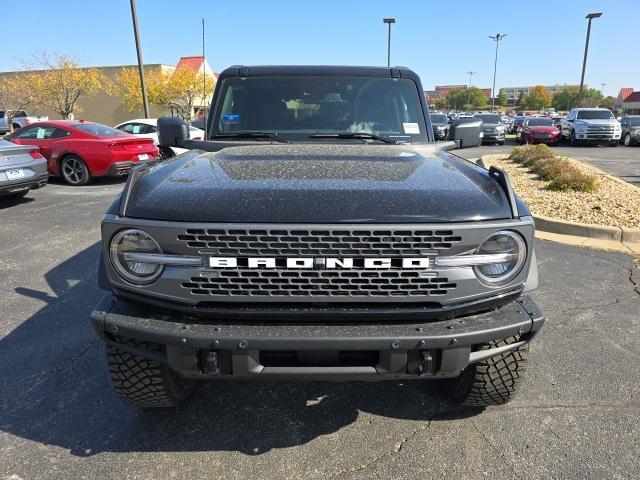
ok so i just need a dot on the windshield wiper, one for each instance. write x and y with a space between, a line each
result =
269 135
357 135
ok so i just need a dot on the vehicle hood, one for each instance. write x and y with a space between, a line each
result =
543 129
317 183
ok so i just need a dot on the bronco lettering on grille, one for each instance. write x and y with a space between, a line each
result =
320 263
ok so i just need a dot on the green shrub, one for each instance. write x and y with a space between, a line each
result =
570 178
527 155
547 168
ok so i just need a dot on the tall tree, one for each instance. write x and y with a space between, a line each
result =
566 99
60 82
472 97
538 98
180 90
591 97
501 99
14 97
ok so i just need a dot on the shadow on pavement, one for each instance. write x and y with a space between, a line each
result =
54 390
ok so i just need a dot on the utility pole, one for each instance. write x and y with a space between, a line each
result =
469 89
590 17
496 39
389 21
134 17
204 84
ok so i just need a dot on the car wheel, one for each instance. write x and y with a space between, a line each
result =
143 382
501 143
490 382
627 140
572 139
74 171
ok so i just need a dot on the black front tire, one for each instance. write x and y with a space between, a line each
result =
572 139
494 381
145 383
627 140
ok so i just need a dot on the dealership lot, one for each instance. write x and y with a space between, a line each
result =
60 418
623 162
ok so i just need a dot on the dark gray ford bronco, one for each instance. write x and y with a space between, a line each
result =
318 232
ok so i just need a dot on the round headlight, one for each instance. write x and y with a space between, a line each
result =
134 241
511 253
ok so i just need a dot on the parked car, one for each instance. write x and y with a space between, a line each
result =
592 125
19 120
440 125
363 250
148 128
79 150
493 130
630 129
22 168
539 130
516 123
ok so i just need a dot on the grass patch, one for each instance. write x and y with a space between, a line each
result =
559 173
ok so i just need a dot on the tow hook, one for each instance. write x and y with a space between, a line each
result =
425 365
210 364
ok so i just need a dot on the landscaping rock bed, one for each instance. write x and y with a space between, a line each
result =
613 203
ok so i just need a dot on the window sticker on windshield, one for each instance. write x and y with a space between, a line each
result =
40 133
231 118
412 128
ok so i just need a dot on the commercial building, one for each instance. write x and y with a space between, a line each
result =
109 109
514 93
628 101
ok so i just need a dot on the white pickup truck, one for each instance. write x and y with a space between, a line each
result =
594 125
19 120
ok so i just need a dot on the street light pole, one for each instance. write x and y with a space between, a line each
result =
496 39
469 89
590 17
134 17
389 21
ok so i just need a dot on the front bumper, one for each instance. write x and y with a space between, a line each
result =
199 348
493 137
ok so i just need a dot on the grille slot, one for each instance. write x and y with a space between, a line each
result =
318 283
337 243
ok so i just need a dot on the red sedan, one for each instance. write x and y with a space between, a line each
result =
79 150
539 130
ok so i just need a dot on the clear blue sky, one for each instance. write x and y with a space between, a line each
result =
441 40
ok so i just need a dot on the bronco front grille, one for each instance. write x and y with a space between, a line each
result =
281 283
337 243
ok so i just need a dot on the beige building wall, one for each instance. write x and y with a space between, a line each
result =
101 107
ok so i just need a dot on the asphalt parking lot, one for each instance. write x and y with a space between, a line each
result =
578 415
623 162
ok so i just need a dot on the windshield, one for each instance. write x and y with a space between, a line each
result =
298 106
100 130
489 118
540 122
438 118
594 115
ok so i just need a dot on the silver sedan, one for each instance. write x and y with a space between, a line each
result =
22 168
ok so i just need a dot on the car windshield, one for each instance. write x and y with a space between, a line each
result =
489 118
594 115
296 107
540 122
100 130
438 118
634 121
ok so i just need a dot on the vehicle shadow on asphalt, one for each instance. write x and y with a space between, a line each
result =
54 390
9 202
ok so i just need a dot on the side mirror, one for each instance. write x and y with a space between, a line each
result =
172 131
467 132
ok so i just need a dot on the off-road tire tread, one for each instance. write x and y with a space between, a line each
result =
493 381
143 382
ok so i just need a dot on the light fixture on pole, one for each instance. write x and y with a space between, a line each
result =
496 39
602 85
590 17
469 89
389 21
143 87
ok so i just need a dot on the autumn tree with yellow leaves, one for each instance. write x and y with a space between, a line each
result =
58 82
178 90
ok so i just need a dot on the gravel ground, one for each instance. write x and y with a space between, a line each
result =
615 203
